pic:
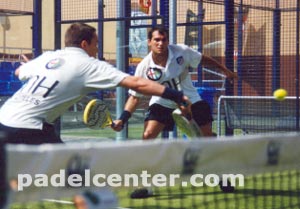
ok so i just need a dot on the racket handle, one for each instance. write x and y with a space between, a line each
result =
188 116
113 125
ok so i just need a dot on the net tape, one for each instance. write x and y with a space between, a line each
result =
248 156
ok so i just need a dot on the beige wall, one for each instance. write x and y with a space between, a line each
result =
48 24
19 34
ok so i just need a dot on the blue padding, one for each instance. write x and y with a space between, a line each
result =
16 65
207 94
4 89
15 86
6 76
131 70
9 83
3 86
6 66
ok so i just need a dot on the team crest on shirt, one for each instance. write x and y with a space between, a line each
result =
154 74
180 60
54 63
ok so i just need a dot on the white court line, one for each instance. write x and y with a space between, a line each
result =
59 201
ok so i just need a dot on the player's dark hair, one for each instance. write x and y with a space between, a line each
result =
161 30
77 33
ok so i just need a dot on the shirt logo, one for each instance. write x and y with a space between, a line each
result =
55 63
180 60
154 74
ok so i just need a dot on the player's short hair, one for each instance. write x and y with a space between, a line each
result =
161 30
77 33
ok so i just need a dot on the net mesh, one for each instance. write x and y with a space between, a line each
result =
264 55
264 174
260 114
8 7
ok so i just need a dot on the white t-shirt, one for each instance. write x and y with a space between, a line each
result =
175 75
54 82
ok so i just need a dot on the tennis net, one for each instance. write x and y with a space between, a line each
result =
263 172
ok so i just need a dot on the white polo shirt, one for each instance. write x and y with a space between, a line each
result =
54 82
175 75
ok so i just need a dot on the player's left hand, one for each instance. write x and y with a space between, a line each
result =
231 75
25 58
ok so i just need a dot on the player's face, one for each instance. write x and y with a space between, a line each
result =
158 43
92 48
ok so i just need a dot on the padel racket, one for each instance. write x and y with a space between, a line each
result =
96 115
186 125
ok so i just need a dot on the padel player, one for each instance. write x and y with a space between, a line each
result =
169 65
57 80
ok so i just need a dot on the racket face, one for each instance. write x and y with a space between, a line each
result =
184 125
96 115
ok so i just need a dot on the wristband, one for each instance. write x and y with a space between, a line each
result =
125 116
176 96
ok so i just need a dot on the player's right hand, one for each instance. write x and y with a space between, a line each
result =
186 107
118 125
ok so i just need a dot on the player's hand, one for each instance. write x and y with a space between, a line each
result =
185 107
230 75
24 58
118 125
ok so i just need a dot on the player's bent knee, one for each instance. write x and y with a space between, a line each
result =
149 135
206 130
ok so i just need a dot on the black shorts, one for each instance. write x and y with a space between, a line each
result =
201 113
161 114
29 136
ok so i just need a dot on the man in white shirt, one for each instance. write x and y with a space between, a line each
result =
169 65
56 80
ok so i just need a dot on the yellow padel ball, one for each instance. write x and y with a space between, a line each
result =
280 94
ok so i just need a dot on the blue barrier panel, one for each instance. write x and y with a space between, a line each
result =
6 76
4 89
131 69
16 65
15 86
207 94
6 66
9 83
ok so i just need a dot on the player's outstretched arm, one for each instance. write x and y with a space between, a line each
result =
209 61
142 85
148 87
